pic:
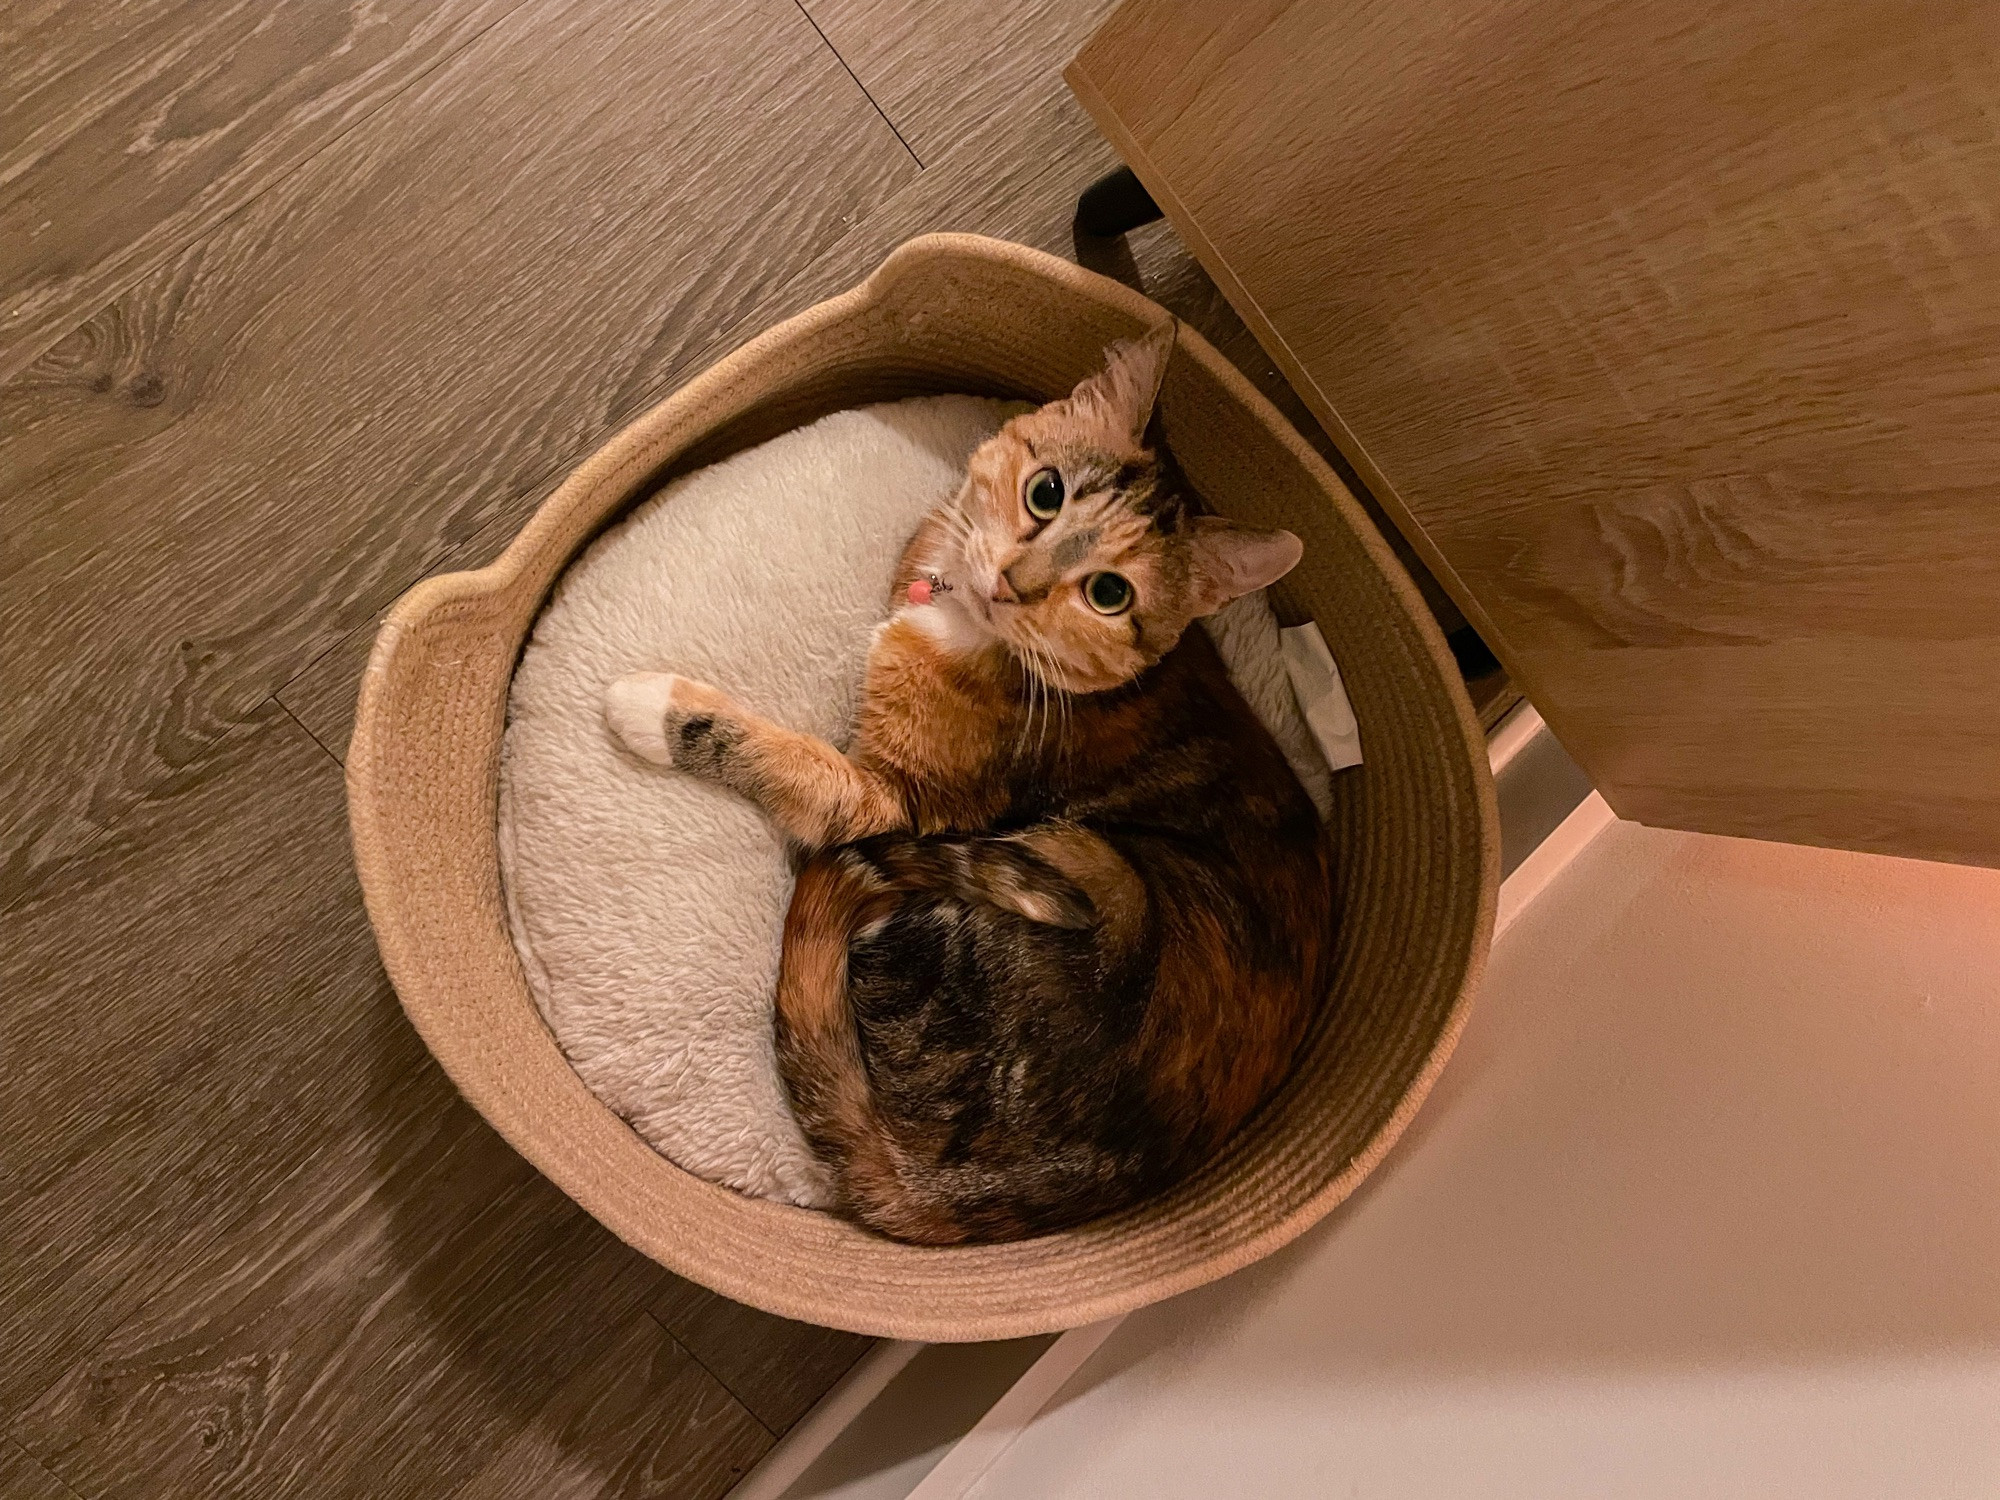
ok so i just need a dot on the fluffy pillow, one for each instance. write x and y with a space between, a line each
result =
647 905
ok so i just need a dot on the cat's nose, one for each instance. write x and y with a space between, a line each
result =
1004 591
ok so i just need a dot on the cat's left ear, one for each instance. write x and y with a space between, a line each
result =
1116 403
1230 561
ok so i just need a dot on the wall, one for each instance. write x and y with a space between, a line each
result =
1708 1203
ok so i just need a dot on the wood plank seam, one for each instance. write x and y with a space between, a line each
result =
22 1457
859 84
703 1365
286 710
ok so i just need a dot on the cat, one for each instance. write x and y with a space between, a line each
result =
1064 911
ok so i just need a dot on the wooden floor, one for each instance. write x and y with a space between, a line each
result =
296 307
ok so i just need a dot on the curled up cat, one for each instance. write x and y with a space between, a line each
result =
1064 912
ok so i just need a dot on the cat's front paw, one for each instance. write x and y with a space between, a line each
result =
668 719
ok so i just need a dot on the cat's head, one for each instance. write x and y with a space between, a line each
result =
1074 547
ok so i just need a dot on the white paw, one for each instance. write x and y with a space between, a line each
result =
635 710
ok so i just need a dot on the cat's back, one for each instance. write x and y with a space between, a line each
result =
1240 879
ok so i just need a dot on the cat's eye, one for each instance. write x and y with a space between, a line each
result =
1044 494
1108 593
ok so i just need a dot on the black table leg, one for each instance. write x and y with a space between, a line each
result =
1114 203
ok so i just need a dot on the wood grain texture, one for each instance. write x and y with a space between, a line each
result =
940 69
323 697
194 1008
642 1421
1674 339
21 1478
88 1249
110 999
775 1367
380 1328
128 127
255 448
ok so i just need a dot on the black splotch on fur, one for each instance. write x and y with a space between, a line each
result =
702 743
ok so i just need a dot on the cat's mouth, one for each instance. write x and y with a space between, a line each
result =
952 589
998 621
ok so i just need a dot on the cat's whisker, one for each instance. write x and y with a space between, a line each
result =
1030 687
1027 712
1034 665
1062 701
1062 732
1044 665
960 524
1048 710
1052 706
1060 695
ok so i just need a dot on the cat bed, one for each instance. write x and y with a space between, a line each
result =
648 906
1413 827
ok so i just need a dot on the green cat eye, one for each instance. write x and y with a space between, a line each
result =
1108 593
1044 494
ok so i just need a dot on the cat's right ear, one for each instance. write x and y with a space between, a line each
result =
1116 403
1231 561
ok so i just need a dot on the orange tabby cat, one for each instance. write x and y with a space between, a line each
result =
1066 911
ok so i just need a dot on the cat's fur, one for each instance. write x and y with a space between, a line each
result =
1066 911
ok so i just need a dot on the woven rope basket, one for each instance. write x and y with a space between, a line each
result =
1414 829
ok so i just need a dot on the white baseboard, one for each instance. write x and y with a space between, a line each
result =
814 1433
1512 736
1591 817
959 1470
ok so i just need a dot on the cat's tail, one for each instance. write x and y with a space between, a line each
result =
839 895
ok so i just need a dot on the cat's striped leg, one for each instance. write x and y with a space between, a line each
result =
809 789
